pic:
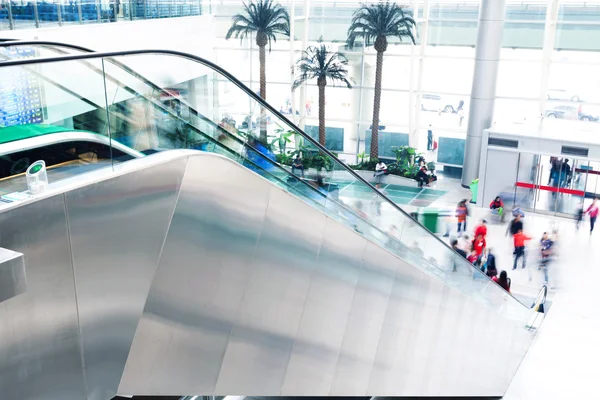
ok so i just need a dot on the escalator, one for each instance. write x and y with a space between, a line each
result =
228 271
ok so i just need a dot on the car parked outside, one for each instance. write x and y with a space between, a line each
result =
435 102
565 111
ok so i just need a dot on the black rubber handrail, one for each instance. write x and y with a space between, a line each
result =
152 85
249 92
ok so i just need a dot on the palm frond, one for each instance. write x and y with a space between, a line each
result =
320 62
380 20
263 16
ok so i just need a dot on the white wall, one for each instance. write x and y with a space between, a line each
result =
193 35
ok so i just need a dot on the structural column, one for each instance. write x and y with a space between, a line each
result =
483 92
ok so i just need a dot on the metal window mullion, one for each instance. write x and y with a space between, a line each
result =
79 12
11 22
36 15
421 61
59 12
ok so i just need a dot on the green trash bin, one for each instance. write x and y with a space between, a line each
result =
428 217
474 187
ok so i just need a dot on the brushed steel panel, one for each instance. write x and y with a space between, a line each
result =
338 267
202 275
316 350
40 355
261 343
117 230
12 274
376 281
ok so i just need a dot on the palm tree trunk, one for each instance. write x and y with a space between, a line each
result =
263 92
322 113
376 105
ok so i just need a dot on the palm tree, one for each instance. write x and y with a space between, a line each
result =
374 23
266 19
324 65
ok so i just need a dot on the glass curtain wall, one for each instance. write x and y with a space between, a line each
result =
548 67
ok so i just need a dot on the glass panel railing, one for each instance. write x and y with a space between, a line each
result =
155 102
18 14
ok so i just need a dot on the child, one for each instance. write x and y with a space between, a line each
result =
579 214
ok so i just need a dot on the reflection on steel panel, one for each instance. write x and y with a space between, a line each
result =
202 275
40 356
193 275
12 274
257 293
117 231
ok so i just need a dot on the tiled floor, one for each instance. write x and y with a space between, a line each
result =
401 195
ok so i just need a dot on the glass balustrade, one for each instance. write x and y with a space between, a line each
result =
141 103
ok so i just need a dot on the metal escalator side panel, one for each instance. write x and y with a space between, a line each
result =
117 229
239 304
40 354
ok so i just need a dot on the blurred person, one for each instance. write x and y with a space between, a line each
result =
565 173
503 281
461 252
593 211
579 212
461 116
465 243
297 164
519 241
429 139
491 269
422 177
392 237
473 257
462 212
546 251
417 249
479 244
497 207
481 229
377 199
358 209
380 171
555 163
515 225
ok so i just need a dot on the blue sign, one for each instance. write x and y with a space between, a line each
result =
20 91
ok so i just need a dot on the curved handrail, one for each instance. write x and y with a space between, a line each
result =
540 299
117 63
248 92
15 42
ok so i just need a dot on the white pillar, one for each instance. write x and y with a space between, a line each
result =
415 112
483 92
549 38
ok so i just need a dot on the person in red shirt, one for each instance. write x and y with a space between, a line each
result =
593 211
478 247
519 240
481 229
